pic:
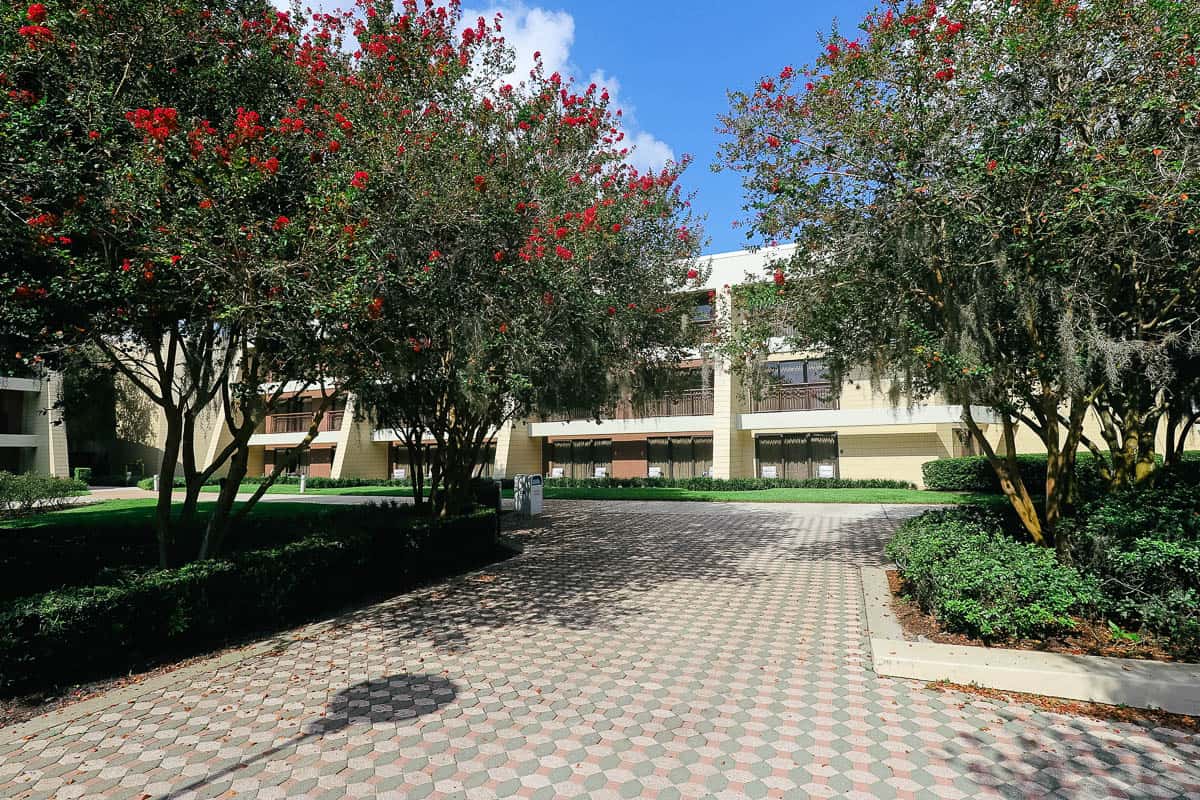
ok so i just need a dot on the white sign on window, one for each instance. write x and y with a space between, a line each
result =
601 472
556 472
825 470
656 472
399 474
770 472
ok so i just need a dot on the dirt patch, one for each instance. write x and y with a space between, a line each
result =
1132 716
1089 639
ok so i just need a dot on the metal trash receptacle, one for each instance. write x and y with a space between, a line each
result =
528 495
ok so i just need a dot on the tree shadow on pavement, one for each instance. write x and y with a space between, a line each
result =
397 699
587 570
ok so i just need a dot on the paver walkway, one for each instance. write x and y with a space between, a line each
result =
635 650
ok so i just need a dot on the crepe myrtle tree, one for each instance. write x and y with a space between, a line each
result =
521 262
993 201
157 210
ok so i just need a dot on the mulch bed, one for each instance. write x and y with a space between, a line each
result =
1089 639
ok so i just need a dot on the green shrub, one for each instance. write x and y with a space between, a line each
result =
1144 547
83 474
311 483
82 632
976 580
975 474
29 492
729 484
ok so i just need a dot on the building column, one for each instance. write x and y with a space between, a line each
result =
44 418
517 453
733 448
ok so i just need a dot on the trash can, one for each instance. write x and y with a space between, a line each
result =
528 495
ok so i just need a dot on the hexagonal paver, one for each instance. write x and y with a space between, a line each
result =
634 650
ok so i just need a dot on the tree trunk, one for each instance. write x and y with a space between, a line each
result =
166 486
1007 470
218 522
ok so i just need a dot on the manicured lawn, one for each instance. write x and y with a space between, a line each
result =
132 512
898 496
906 496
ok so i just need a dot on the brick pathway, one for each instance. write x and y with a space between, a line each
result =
635 650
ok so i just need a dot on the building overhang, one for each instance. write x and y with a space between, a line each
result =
618 427
864 421
18 440
33 385
290 439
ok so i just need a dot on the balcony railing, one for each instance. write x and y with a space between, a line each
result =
688 403
300 423
796 397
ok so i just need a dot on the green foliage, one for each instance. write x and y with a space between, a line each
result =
977 580
975 474
1144 547
29 492
728 484
137 617
311 483
83 474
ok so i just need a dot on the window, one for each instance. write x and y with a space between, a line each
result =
313 462
580 458
680 456
964 443
797 456
798 373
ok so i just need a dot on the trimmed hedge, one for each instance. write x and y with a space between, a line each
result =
29 492
975 474
976 580
75 634
728 484
312 483
1144 547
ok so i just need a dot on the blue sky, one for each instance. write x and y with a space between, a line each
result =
672 63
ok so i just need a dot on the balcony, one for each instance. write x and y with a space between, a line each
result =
688 403
796 397
300 423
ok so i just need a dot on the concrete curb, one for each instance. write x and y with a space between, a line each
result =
1115 681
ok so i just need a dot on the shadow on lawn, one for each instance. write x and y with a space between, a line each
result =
397 699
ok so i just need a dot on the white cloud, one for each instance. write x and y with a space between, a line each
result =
532 30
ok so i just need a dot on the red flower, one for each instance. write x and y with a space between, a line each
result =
480 183
504 327
435 255
36 12
36 34
692 274
548 298
768 85
616 228
126 265
271 165
281 222
561 233
773 141
779 277
176 259
786 73
206 204
833 50
499 256
334 145
612 311
563 253
93 134
992 165
359 181
375 308
156 124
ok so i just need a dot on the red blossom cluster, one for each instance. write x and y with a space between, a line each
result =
35 35
36 13
157 124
